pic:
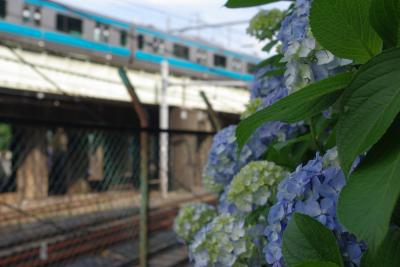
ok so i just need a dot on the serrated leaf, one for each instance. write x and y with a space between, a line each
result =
249 3
388 254
367 201
343 27
306 239
385 18
369 106
302 104
317 264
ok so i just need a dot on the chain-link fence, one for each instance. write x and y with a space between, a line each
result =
69 196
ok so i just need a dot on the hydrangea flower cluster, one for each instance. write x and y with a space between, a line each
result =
191 218
270 89
225 241
265 91
306 60
313 189
254 185
224 163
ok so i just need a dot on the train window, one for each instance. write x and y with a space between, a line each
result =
251 67
237 65
158 46
123 38
106 34
201 57
101 33
26 14
3 8
140 41
69 25
37 17
97 33
181 51
219 61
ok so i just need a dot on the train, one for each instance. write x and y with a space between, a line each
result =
53 27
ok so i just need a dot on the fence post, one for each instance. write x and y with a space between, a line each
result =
144 187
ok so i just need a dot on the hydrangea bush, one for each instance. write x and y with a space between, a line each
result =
340 56
254 185
191 218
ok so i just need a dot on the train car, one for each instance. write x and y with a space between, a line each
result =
63 29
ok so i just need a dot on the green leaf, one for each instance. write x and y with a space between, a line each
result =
343 27
388 254
272 73
385 18
317 264
302 104
367 201
369 106
270 45
272 61
254 217
249 3
290 153
306 239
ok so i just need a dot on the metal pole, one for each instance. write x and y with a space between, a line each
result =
164 125
211 112
144 195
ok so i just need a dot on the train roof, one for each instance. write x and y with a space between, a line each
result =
144 29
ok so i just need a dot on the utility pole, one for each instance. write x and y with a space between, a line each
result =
164 125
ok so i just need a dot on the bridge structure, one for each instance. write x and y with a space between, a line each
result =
71 147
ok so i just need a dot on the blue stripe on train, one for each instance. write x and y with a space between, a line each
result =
184 64
61 38
141 29
55 37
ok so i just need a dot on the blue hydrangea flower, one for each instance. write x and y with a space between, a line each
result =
306 60
313 189
295 26
191 218
272 88
223 161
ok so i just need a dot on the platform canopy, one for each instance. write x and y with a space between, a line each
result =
45 73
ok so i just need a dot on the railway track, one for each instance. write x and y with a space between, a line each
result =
60 247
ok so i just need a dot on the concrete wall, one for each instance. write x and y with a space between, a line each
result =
188 152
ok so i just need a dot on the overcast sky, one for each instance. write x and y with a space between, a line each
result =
175 14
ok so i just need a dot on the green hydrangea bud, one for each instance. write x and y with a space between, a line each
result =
191 218
255 184
223 242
